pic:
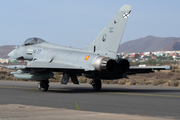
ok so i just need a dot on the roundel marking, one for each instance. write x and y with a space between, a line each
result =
87 57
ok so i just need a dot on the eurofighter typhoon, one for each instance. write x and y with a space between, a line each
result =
98 61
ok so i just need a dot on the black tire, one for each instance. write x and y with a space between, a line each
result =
97 84
44 85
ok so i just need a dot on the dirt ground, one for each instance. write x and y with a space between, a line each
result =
27 112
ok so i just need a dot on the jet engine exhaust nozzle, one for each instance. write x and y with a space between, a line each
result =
123 65
104 63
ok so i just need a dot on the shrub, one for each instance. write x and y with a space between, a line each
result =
2 77
141 82
174 83
122 82
82 80
9 78
3 72
158 82
133 82
174 68
8 74
53 80
147 82
177 78
114 82
107 81
170 74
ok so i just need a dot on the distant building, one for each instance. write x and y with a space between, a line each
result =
4 61
153 57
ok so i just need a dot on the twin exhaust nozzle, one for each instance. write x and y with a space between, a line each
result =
108 64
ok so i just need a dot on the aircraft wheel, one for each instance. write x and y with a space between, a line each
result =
39 85
97 84
44 85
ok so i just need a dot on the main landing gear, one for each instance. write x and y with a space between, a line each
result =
96 83
43 85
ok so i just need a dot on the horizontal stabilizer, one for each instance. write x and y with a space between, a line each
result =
135 70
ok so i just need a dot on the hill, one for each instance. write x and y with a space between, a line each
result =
150 44
4 50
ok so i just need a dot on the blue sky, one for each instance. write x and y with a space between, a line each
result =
77 22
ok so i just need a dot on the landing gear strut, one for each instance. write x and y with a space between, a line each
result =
43 85
96 83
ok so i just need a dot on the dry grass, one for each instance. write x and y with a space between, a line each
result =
167 77
141 82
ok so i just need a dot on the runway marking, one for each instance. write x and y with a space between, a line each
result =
143 94
98 92
16 87
31 88
59 89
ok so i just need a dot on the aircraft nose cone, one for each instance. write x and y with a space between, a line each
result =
11 53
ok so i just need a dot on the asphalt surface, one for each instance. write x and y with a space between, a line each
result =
121 99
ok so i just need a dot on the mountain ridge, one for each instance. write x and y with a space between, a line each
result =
150 44
4 50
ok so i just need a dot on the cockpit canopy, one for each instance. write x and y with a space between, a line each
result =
32 41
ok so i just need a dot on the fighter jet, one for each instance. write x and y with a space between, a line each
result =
97 61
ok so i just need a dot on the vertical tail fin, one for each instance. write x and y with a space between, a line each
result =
110 37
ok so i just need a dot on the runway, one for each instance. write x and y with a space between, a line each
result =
121 99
